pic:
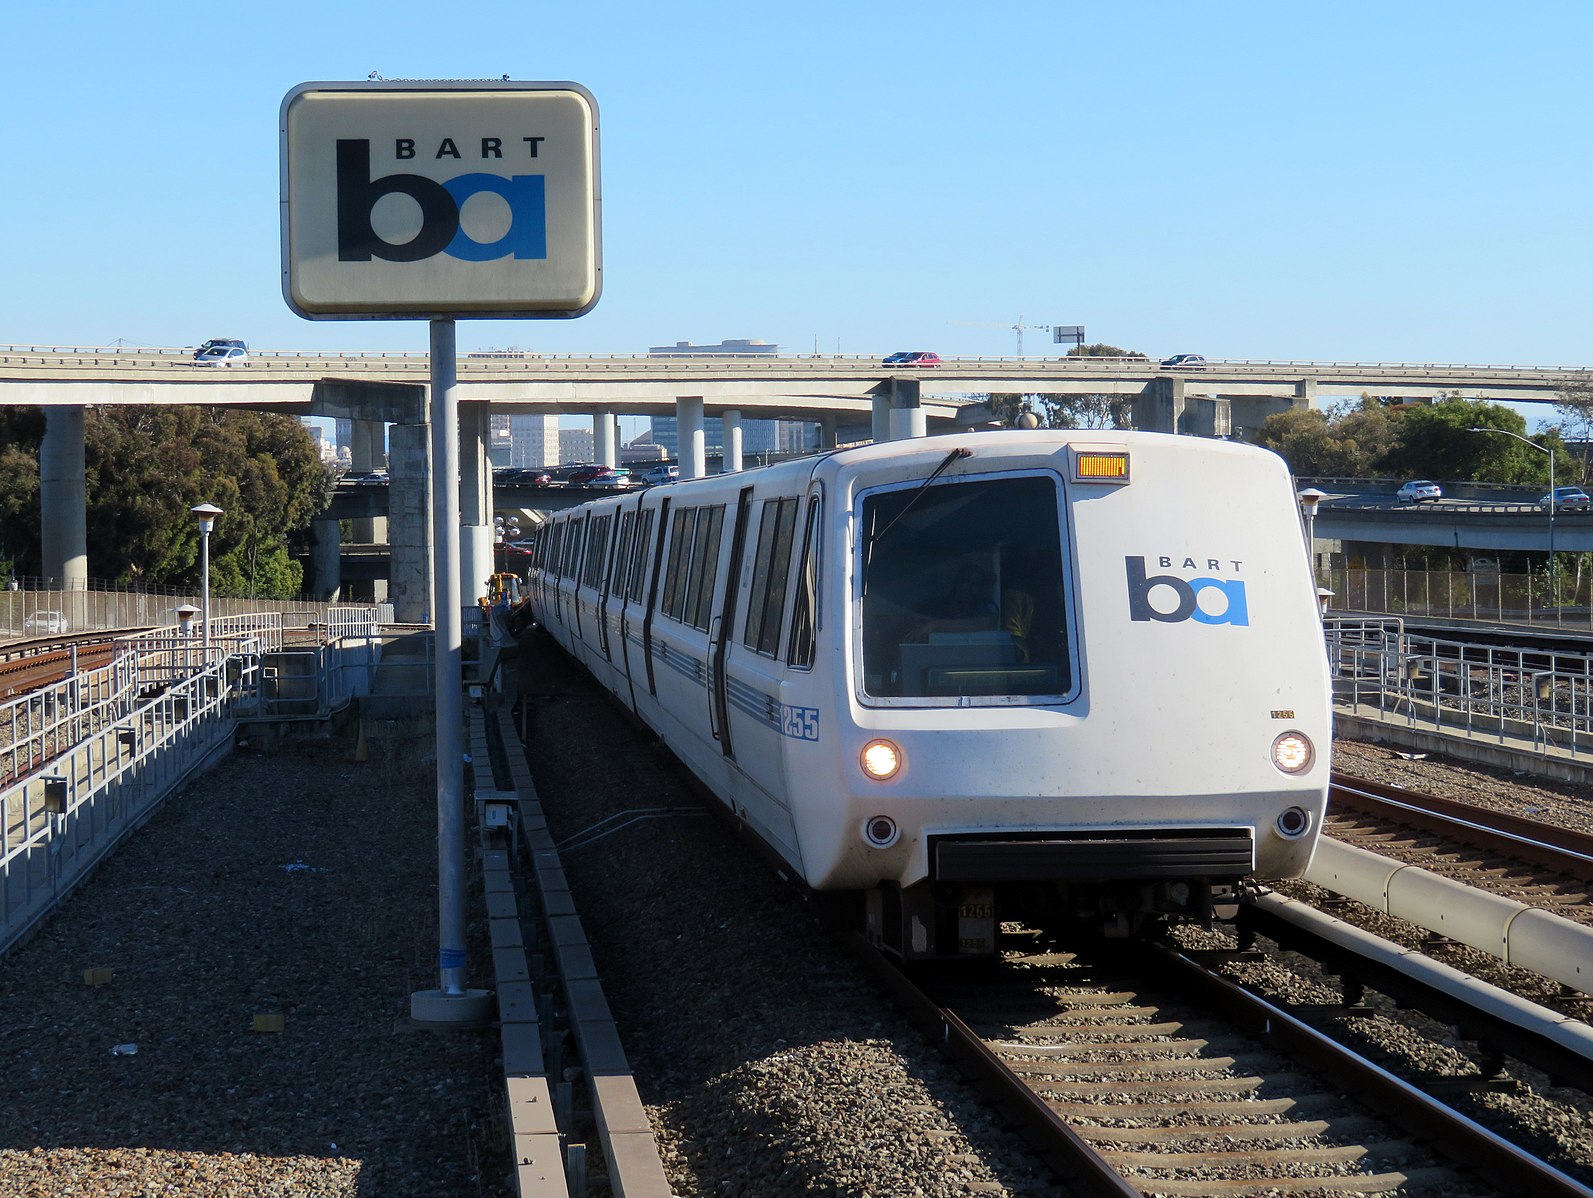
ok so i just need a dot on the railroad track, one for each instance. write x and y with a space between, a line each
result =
1145 1072
1489 849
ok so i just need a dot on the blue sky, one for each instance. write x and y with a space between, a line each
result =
1388 181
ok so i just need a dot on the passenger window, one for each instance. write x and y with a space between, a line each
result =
962 591
679 561
644 544
804 640
705 566
596 550
622 555
766 600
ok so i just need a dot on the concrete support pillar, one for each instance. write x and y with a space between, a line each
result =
409 511
63 506
368 451
1159 408
475 500
693 445
605 439
325 584
882 418
1305 393
827 431
730 461
906 416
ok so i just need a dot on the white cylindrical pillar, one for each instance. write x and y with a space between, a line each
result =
693 445
605 439
730 461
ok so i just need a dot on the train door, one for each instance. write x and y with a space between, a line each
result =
614 580
652 597
635 595
719 636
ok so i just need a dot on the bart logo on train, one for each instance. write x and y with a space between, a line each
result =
1187 592
440 202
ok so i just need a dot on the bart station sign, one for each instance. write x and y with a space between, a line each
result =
429 200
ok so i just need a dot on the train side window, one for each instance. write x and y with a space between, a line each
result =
804 641
622 556
679 562
572 550
644 538
596 549
766 602
555 543
705 566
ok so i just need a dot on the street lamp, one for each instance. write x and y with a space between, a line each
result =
1553 589
207 513
1309 498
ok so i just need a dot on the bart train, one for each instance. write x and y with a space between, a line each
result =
969 674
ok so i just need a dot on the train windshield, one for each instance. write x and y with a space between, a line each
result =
963 591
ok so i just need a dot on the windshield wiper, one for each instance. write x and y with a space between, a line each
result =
951 457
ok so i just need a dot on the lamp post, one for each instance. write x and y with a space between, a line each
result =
207 513
1309 498
1553 589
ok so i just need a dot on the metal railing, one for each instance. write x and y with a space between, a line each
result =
1491 596
85 760
1541 696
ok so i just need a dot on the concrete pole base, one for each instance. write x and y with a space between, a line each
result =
438 1006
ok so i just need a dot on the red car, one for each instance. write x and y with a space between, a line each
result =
585 474
913 357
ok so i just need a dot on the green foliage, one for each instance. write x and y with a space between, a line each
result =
146 466
1072 411
1414 441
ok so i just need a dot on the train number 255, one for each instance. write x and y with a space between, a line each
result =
799 723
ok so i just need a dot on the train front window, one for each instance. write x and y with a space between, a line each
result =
962 591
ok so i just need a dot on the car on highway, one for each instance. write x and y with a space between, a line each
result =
45 623
367 478
221 355
1418 490
612 480
913 357
537 478
1568 499
582 476
659 475
1184 362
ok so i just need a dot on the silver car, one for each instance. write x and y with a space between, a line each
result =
45 623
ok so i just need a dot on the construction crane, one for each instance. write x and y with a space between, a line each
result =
1068 332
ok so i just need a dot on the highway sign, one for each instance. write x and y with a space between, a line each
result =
440 199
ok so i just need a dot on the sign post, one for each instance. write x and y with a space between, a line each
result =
434 201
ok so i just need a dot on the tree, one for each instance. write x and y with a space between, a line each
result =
1072 410
1344 441
1435 441
1575 408
146 466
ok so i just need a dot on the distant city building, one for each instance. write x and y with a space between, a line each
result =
498 441
686 349
576 445
534 441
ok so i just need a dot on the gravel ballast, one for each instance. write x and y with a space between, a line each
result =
299 884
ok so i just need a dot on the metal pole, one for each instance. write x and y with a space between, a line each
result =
204 585
449 672
1554 590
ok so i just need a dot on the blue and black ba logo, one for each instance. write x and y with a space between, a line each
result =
1186 593
441 231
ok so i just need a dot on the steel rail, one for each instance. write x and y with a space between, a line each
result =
1463 1140
1561 849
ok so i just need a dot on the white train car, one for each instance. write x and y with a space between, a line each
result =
964 675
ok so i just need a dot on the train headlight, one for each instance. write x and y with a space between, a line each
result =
1292 752
880 760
